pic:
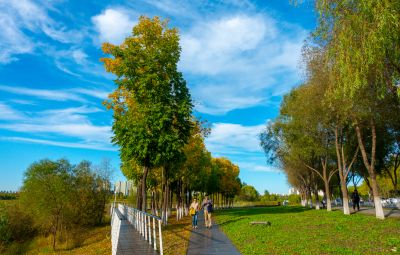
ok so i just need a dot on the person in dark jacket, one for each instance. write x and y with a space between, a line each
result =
208 208
356 200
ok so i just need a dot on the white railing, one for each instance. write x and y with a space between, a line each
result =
116 219
146 224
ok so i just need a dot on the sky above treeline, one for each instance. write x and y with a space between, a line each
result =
238 57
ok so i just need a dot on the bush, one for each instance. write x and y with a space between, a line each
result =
294 199
15 224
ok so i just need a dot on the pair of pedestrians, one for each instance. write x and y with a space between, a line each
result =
207 208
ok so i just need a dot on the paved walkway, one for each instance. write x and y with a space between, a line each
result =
212 241
390 213
131 242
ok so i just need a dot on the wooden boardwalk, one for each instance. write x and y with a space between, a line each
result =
131 242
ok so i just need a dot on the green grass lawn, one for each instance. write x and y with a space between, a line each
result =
297 230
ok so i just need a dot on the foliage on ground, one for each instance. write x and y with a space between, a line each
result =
297 230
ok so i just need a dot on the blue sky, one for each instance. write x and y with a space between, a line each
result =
238 57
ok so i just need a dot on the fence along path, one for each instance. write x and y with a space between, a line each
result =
134 232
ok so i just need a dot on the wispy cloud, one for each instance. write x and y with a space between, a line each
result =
56 95
19 19
74 94
91 146
8 113
67 123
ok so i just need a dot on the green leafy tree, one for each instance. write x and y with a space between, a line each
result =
151 104
249 193
46 192
63 199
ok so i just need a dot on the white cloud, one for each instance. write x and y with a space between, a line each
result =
228 138
113 25
254 167
213 47
8 113
240 61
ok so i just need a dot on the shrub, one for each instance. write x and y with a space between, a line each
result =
15 224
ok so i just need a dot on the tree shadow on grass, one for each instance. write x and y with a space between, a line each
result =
232 221
249 211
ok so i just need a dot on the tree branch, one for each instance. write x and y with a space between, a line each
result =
331 174
352 161
309 167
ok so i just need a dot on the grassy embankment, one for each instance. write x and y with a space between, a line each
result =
296 230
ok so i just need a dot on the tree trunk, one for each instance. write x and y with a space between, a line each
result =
144 193
309 198
139 195
328 197
164 196
342 175
316 197
326 184
371 168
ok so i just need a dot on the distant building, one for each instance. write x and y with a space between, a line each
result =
293 191
124 187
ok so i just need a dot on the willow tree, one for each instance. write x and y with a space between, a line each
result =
151 103
362 39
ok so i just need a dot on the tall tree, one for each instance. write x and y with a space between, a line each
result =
152 105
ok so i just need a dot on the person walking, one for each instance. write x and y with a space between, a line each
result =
208 209
356 200
193 210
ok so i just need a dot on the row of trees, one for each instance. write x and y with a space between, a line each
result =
8 195
161 145
344 121
59 199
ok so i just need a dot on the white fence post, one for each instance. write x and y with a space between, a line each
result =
154 234
149 228
160 237
145 226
